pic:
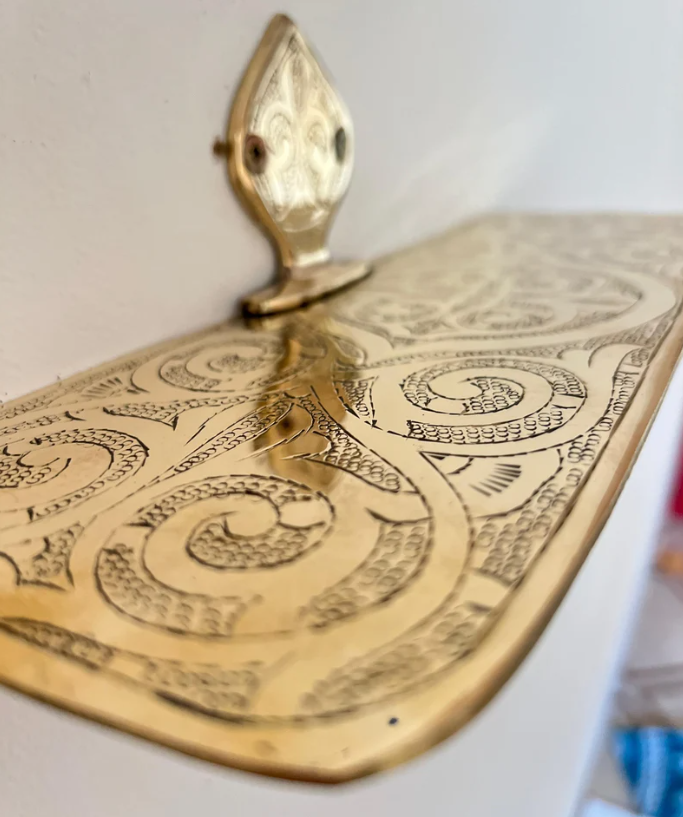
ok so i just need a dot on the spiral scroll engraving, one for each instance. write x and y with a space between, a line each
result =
268 523
240 364
261 522
48 462
320 524
496 394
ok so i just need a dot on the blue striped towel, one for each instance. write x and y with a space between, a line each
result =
652 761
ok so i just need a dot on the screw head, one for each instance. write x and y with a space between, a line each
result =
340 144
255 154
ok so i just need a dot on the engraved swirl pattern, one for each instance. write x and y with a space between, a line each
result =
294 537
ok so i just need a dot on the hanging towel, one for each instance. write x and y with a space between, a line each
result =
652 761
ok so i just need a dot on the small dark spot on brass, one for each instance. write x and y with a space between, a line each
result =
255 156
340 144
393 721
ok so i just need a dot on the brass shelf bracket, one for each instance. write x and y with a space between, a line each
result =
290 156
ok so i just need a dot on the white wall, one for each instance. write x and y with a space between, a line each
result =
116 224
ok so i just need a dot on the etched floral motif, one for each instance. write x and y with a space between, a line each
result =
297 113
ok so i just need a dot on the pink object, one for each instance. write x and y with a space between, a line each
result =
676 507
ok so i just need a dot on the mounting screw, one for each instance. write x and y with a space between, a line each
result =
255 155
221 148
340 144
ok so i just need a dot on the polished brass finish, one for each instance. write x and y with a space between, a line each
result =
315 546
290 156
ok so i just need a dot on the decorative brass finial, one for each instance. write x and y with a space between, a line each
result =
290 156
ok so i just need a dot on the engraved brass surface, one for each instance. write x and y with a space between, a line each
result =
290 157
315 545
